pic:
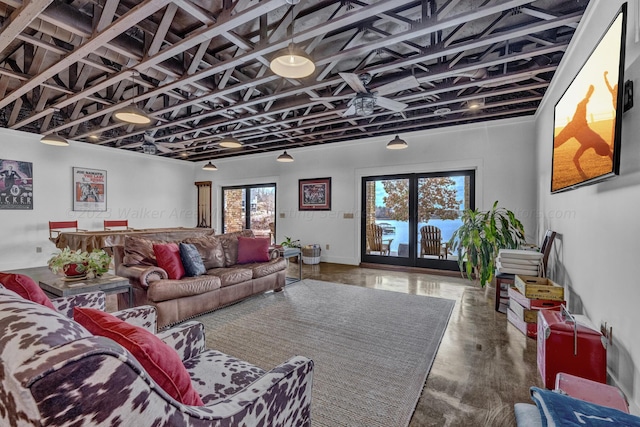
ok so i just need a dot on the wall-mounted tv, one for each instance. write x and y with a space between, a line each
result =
588 116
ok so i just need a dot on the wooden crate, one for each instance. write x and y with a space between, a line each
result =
539 288
529 316
534 304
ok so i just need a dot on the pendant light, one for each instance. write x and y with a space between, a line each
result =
54 139
285 158
292 62
209 167
397 144
131 113
230 142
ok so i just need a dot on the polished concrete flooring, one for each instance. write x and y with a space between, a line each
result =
484 364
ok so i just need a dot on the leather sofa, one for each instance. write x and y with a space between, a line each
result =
54 372
224 282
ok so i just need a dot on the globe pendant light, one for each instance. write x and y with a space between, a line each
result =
54 139
285 158
209 167
397 144
292 62
131 113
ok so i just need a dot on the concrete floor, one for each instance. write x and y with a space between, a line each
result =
484 364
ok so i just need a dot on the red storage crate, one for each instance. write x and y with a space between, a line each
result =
567 346
591 391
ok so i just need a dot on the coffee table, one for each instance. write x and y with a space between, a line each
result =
59 287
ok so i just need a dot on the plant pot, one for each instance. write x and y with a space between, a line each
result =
74 269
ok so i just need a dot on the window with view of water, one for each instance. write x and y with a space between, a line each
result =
410 218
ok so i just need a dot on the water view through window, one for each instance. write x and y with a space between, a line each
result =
412 217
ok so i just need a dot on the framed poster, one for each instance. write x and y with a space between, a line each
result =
314 194
16 184
89 190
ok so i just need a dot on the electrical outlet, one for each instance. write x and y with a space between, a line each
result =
327 246
38 250
281 214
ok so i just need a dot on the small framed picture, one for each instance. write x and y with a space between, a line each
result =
89 190
314 194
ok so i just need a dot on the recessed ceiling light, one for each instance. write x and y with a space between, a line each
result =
442 111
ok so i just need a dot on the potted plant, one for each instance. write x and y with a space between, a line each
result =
80 263
289 243
481 236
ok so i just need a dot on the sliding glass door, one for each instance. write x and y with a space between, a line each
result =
408 219
251 206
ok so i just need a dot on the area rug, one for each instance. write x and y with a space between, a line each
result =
372 349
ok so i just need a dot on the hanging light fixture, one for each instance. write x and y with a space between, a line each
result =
285 158
54 139
230 142
397 144
131 113
292 62
209 167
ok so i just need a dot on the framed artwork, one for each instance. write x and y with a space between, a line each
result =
314 194
16 184
89 190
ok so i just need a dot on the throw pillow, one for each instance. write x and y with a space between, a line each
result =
160 361
211 250
26 288
253 250
138 251
168 257
230 245
191 260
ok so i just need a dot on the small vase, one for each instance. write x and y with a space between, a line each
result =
74 270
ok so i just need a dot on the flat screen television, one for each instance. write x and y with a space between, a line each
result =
588 116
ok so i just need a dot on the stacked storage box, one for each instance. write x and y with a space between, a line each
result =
510 262
530 295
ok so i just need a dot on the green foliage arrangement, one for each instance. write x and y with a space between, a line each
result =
92 263
289 243
481 236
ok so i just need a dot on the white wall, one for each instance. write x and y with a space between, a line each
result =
502 152
598 228
149 191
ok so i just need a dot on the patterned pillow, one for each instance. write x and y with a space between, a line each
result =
160 361
138 251
191 260
210 249
253 250
168 257
26 288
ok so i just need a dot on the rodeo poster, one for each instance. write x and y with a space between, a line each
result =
16 184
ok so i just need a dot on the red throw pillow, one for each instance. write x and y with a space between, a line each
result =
26 288
160 361
253 250
168 258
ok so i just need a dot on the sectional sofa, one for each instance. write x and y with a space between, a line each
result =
233 270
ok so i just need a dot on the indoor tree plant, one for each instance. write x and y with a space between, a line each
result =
481 236
79 263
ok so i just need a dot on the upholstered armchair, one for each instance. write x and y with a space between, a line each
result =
55 373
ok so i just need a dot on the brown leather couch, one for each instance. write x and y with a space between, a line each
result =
225 281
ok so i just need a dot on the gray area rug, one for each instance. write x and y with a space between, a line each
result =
372 348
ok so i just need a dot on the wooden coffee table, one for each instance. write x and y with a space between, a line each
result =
59 287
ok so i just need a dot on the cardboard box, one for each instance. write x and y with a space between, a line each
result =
539 288
534 304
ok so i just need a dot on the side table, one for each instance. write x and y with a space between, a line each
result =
291 253
58 287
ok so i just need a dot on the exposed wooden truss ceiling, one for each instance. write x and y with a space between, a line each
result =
202 67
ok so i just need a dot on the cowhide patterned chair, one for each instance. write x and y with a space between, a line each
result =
53 372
